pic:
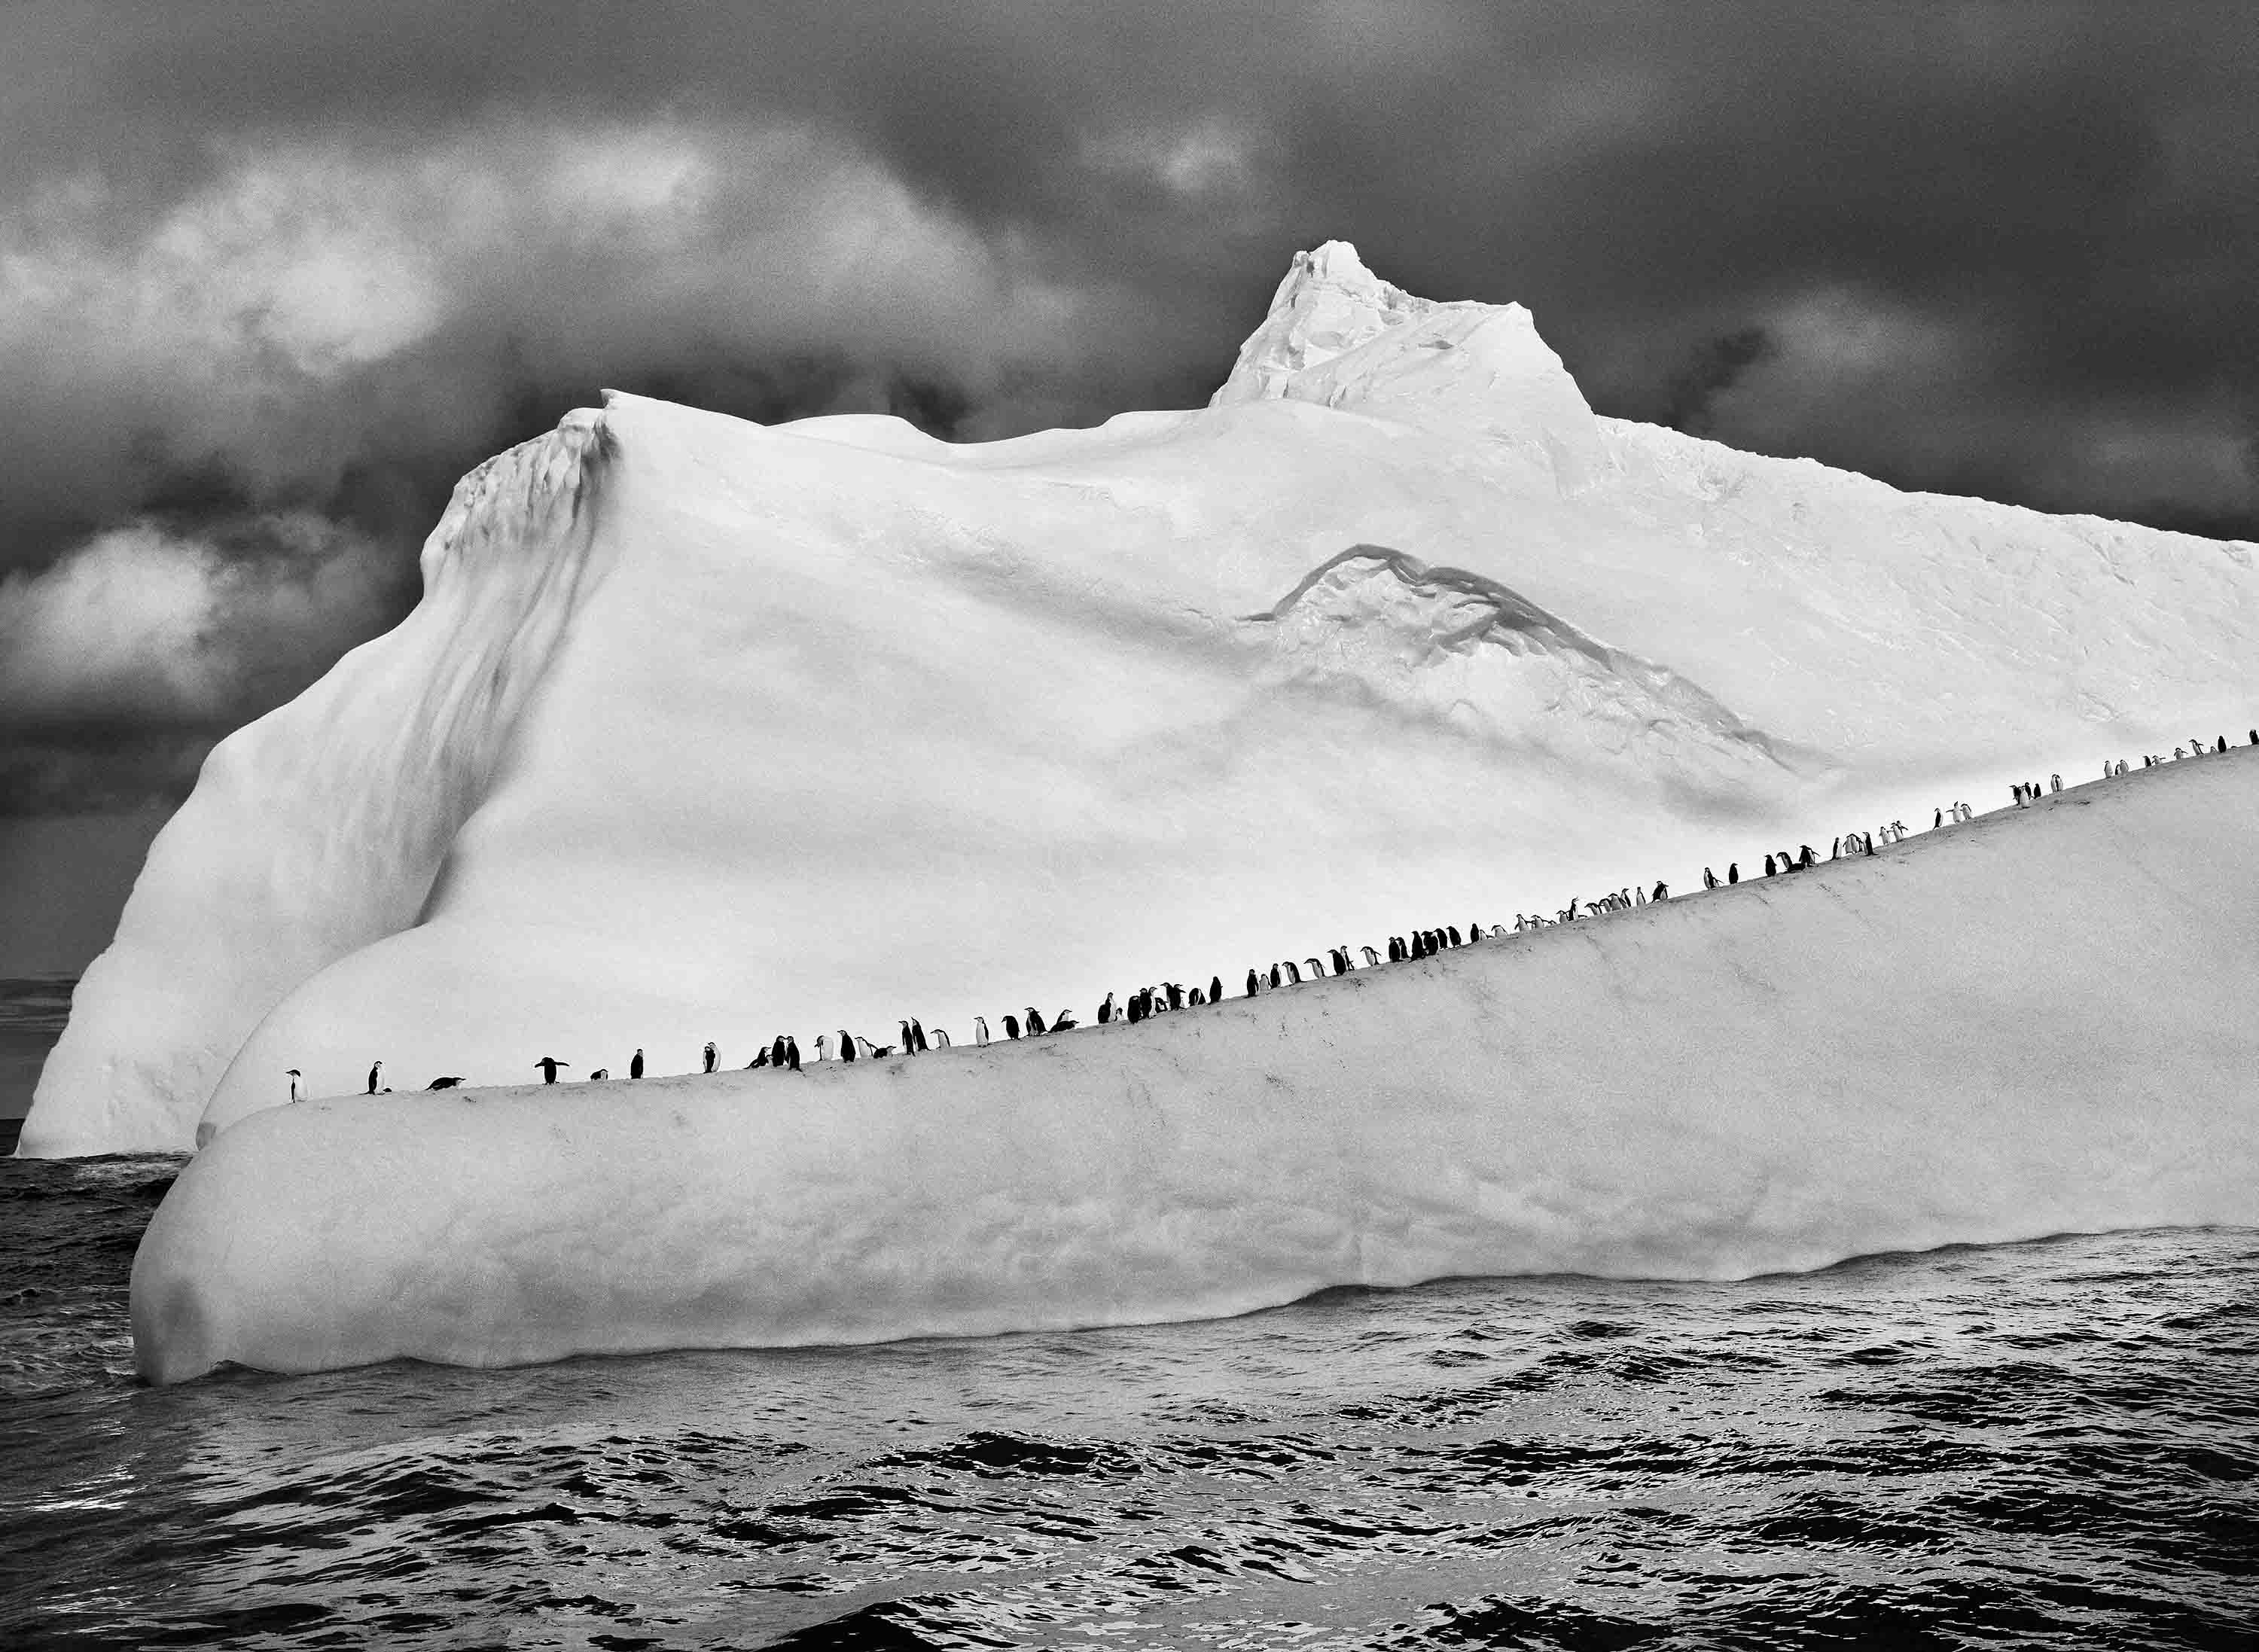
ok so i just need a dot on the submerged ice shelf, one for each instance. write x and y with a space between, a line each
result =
2035 1023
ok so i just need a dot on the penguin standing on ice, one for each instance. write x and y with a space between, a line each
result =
1215 989
1135 1011
1176 994
1253 985
635 1066
294 1076
1274 977
909 1046
791 1052
1012 1028
942 1032
1106 1010
1768 870
1709 878
1732 872
1662 892
918 1031
1371 957
548 1066
373 1074
776 1052
1199 998
980 1029
1036 1028
823 1046
713 1056
847 1043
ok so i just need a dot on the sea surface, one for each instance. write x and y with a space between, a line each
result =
2051 1444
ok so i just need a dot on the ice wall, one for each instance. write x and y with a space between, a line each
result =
742 729
2036 1023
320 828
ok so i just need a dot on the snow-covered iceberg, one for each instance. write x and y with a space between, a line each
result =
708 731
2037 1022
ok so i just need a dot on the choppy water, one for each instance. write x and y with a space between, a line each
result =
2050 1444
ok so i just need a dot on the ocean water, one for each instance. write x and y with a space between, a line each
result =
2052 1444
33 1011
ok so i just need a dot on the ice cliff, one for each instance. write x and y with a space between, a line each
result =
704 730
2036 1023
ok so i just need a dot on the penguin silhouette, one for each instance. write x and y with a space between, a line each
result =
1106 1010
635 1066
1215 989
1176 995
713 1056
792 1052
847 1044
1012 1028
1732 872
294 1076
600 1075
1199 998
1036 1028
452 1081
372 1074
1662 892
917 1032
760 1059
548 1066
1253 985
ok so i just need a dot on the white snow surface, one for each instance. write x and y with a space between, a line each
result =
2035 1023
710 731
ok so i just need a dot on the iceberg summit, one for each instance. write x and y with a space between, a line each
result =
708 731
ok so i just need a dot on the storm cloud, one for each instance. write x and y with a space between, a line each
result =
272 275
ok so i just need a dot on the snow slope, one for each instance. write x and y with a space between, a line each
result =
705 730
2035 1023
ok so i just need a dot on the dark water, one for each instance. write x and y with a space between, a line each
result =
33 1011
2053 1444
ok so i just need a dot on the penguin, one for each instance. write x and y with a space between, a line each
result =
1175 993
918 1035
1807 860
1293 972
791 1052
909 1045
1662 892
1371 957
373 1074
1253 987
1939 822
1012 1028
980 1029
1870 840
1135 1011
1215 985
713 1056
847 1042
1199 998
2223 745
1315 970
1106 1010
942 1032
1036 1028
760 1059
823 1046
600 1075
548 1066
635 1066
1063 1021
294 1076
452 1081
1454 934
776 1052
1769 868
1274 977
2055 781
1732 872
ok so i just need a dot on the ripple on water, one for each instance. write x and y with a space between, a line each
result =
2046 1444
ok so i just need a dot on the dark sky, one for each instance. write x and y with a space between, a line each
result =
272 276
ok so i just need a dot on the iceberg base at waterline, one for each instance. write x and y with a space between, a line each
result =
2035 1023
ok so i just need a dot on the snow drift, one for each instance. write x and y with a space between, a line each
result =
2035 1023
705 730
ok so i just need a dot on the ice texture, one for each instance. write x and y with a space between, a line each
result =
2036 1023
705 730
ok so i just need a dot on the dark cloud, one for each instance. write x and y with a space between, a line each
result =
272 276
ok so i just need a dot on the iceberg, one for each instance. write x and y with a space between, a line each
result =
706 731
2036 1022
